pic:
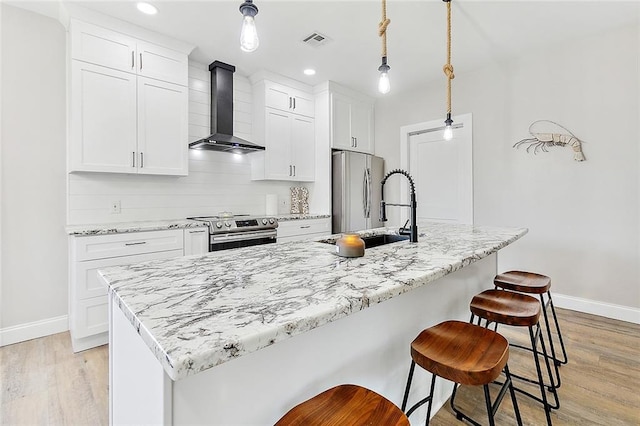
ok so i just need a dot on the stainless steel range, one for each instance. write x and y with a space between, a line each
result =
228 231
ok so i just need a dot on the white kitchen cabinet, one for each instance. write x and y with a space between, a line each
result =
351 123
88 304
283 123
289 141
129 104
103 119
196 240
303 229
163 127
287 99
112 49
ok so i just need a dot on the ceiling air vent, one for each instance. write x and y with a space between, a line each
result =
316 39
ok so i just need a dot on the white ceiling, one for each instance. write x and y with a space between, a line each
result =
482 31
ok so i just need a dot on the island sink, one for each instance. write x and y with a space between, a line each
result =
376 240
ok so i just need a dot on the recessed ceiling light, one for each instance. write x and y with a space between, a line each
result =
309 71
147 8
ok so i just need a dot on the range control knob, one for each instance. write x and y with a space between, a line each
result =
227 224
272 221
218 225
264 221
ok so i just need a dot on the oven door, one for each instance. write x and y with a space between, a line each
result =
241 239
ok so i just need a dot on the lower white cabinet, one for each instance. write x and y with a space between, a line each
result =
88 304
196 240
303 229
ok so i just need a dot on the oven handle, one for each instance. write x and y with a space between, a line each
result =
243 236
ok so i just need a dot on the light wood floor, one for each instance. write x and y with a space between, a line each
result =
44 383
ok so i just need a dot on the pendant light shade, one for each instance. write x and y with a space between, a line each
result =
384 86
249 36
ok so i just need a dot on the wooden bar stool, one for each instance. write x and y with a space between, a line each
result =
531 283
466 354
345 405
519 310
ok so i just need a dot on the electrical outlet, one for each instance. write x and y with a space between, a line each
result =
115 207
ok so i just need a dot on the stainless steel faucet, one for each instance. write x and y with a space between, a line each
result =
413 229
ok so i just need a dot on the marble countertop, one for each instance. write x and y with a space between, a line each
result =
196 312
288 217
123 227
154 225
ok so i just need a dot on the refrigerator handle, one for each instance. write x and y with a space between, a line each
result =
364 193
368 192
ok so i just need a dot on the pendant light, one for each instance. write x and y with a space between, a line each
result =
448 71
383 83
249 35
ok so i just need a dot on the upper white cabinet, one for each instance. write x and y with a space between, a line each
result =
284 124
288 99
351 123
101 46
129 104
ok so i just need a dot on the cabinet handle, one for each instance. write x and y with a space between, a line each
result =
289 102
294 170
290 170
355 141
133 158
140 61
197 232
141 160
305 227
133 59
135 244
294 103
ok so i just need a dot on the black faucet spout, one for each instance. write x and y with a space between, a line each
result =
413 229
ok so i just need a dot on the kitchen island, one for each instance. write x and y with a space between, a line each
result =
240 336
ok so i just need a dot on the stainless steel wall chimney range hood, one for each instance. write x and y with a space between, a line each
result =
221 138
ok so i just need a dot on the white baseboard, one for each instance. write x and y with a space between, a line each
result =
33 330
608 310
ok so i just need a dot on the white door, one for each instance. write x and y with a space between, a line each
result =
442 170
161 63
303 148
162 128
361 126
278 145
103 119
341 122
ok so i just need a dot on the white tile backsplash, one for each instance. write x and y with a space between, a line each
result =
217 181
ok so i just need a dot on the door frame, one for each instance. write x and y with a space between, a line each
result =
463 129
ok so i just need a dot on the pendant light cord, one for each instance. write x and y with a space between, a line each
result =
382 28
448 68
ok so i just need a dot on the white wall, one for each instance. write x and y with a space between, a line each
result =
33 135
216 182
583 217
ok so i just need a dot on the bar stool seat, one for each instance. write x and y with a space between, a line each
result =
345 405
465 354
519 310
532 283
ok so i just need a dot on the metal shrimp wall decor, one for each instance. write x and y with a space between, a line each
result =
546 134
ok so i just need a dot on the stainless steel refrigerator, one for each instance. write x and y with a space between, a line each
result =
356 191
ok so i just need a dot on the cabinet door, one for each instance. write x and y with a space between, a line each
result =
303 103
361 126
278 97
161 63
278 163
341 122
196 241
162 128
101 46
103 119
303 148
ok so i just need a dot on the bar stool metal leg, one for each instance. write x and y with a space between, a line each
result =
545 305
